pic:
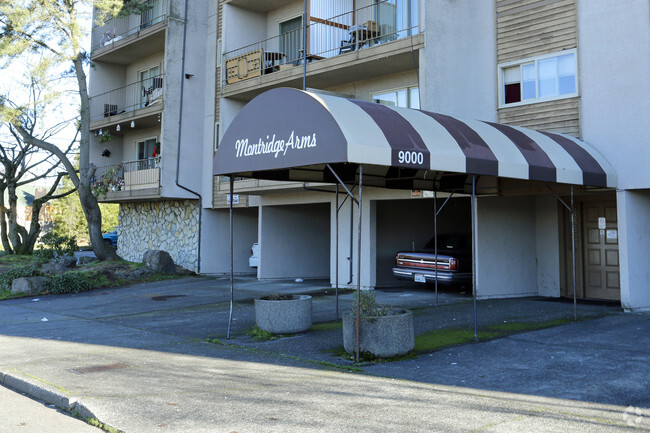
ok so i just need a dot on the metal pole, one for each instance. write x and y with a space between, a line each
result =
304 49
359 259
474 256
573 261
435 237
336 243
232 263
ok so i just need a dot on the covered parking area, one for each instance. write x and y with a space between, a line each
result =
514 176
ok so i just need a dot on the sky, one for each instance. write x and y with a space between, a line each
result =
12 82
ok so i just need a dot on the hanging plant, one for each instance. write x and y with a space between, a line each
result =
105 137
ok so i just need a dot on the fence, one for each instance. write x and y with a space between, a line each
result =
144 93
347 32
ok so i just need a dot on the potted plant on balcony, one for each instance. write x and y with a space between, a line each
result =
283 314
384 331
111 180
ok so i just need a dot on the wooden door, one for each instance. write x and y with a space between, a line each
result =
600 251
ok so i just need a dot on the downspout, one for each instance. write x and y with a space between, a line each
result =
180 129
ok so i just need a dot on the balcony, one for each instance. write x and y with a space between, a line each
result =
360 44
131 180
141 101
123 40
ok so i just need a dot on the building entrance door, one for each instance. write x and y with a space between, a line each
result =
600 250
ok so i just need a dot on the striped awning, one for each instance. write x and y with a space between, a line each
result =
289 134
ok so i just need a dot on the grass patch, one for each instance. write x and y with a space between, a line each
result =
439 338
96 423
512 327
258 334
327 326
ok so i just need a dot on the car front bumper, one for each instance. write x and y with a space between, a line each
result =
427 276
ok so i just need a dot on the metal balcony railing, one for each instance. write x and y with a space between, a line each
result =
128 175
145 93
361 28
116 29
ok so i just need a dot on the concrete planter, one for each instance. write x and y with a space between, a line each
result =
383 336
284 316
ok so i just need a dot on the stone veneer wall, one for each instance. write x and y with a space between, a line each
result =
171 226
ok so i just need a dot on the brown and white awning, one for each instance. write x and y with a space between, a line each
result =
291 134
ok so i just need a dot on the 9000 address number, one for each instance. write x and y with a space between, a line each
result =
410 157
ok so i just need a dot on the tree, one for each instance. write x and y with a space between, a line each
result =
54 29
22 164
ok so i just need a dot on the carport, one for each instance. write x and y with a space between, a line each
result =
293 135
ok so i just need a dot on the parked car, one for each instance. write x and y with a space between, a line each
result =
110 238
254 259
454 262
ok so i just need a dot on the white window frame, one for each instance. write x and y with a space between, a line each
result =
397 89
535 60
142 140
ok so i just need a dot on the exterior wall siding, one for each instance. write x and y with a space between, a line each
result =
558 116
528 28
171 226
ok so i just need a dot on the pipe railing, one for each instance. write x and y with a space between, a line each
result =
361 28
112 176
134 96
114 29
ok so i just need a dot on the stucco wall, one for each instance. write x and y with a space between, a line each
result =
215 240
458 64
171 226
614 86
634 249
506 265
294 241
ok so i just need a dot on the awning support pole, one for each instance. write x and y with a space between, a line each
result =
232 262
475 256
336 243
359 259
358 202
435 238
573 261
571 208
436 212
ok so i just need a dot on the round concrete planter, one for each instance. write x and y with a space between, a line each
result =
284 316
383 336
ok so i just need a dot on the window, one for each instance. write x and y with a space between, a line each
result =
406 98
542 78
291 38
150 86
146 152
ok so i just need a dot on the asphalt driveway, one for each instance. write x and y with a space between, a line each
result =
136 358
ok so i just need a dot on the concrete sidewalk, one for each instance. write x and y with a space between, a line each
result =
135 359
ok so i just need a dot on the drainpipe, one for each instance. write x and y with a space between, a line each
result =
180 129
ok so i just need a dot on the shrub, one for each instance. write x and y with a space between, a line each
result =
369 306
70 282
7 277
56 246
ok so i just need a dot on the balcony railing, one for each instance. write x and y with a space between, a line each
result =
143 94
130 175
351 31
116 29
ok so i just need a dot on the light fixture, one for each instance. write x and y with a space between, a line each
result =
133 124
118 129
100 132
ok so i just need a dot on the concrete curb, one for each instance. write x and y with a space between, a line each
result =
69 405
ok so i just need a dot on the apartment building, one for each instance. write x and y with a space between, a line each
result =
152 89
573 67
